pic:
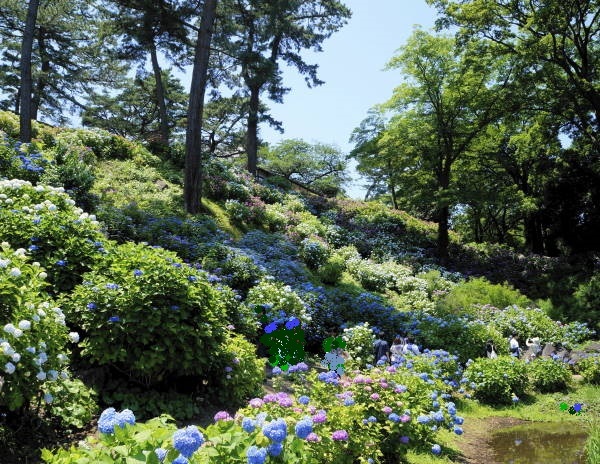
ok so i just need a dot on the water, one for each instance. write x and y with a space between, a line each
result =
540 443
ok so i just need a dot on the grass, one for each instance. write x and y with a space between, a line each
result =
450 453
222 218
592 446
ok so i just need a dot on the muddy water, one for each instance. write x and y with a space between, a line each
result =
540 443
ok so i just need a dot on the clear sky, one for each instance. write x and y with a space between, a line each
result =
351 65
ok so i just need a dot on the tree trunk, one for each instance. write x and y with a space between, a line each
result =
533 234
192 190
392 185
42 80
160 97
27 45
443 215
252 134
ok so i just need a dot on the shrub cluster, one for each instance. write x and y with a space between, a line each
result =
498 381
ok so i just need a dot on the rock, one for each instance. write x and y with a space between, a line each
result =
161 184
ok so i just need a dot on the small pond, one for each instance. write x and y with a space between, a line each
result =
540 443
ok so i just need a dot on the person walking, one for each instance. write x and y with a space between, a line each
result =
397 349
381 348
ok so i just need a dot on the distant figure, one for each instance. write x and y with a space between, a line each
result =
397 349
513 346
381 348
534 345
411 346
490 351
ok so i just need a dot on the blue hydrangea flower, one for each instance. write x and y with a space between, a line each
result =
277 370
348 402
248 424
275 449
256 455
114 319
160 454
423 419
438 416
304 399
91 306
371 419
107 421
180 460
436 449
275 430
394 417
458 430
138 272
293 322
125 417
272 327
458 420
304 427
187 440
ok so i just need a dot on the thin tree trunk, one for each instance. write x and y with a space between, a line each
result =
160 97
192 190
42 80
392 185
252 134
443 218
27 45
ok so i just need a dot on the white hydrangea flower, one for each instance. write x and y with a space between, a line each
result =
92 217
52 207
74 337
9 328
42 275
4 262
7 349
41 375
16 357
39 188
35 318
17 333
42 358
24 325
20 252
62 357
42 313
30 349
15 272
35 264
9 367
42 345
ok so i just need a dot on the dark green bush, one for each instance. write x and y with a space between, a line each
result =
589 368
498 380
331 272
586 306
145 313
548 375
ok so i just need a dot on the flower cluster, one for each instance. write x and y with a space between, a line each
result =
110 418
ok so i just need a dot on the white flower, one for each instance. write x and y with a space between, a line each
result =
4 263
15 272
42 313
24 325
18 333
92 217
9 328
41 375
62 357
48 398
7 349
42 358
43 275
16 357
35 318
35 264
42 345
9 367
52 208
31 349
39 188
20 252
74 337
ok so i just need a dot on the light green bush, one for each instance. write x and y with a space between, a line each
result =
498 380
548 375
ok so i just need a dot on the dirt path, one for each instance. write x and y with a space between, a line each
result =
474 444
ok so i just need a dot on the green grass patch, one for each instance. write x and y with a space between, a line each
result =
222 218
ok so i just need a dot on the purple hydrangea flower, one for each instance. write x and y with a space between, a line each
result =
339 435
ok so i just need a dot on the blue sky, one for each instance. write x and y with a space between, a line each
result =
351 65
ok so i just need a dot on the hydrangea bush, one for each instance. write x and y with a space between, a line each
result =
498 381
34 336
146 313
44 221
548 375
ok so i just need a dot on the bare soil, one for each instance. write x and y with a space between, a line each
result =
475 442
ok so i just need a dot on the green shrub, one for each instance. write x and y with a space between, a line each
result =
238 212
359 345
589 368
276 217
73 169
460 336
466 295
498 380
592 445
331 271
370 275
526 323
240 272
313 252
548 375
239 371
9 123
145 313
34 336
64 239
270 298
74 404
